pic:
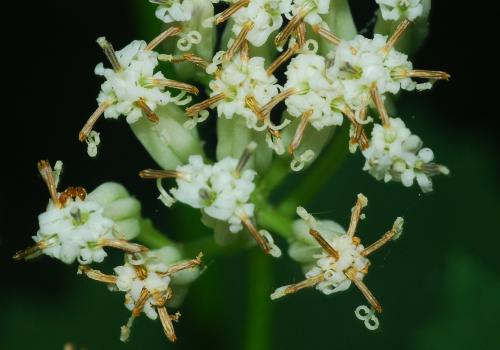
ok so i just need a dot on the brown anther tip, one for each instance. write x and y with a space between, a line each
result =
82 136
356 240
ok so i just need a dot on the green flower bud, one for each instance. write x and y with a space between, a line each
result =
120 207
168 142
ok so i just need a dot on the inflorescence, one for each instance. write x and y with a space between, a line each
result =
282 78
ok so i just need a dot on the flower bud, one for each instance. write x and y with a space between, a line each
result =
168 142
120 207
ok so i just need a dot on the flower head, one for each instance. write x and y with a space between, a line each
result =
315 91
394 153
73 227
343 260
145 279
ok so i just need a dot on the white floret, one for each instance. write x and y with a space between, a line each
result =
125 87
155 282
174 10
216 189
393 10
314 9
73 232
396 154
239 79
266 16
316 93
335 280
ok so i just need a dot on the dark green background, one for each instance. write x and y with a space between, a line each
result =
439 284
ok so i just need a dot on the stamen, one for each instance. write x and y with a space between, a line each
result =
326 34
227 13
392 234
293 288
172 31
290 27
299 133
285 56
359 128
324 244
190 57
238 41
245 157
300 34
87 128
363 139
153 174
109 51
176 85
251 103
97 275
256 235
48 177
351 274
184 265
424 74
361 202
30 252
283 95
148 112
197 108
139 305
123 245
244 52
377 99
400 29
165 318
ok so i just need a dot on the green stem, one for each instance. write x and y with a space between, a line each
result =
151 237
259 312
319 174
273 220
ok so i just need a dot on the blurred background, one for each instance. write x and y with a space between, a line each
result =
439 284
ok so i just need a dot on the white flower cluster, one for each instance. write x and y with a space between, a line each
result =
238 79
316 92
154 280
170 11
74 231
396 154
266 17
393 10
219 190
131 83
312 8
360 63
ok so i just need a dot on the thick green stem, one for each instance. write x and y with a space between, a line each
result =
259 312
319 173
